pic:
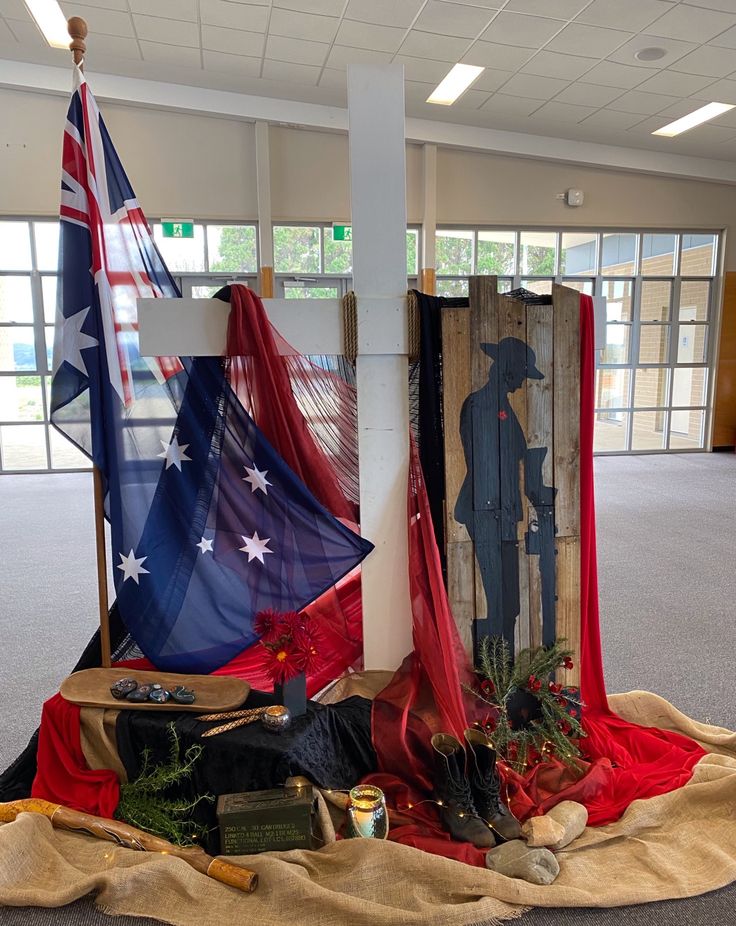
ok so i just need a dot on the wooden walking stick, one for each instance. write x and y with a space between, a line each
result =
131 838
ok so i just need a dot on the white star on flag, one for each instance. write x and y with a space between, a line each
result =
73 341
205 545
132 567
257 479
174 453
255 547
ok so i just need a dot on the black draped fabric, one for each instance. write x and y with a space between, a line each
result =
330 745
431 430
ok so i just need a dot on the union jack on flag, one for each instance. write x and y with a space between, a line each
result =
208 523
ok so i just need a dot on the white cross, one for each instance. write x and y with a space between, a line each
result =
197 327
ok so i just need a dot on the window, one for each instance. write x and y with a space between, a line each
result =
28 274
652 377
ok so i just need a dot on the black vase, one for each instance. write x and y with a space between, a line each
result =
292 694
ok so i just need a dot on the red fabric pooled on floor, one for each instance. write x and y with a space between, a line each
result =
63 776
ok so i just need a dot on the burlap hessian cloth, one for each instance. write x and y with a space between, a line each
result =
677 845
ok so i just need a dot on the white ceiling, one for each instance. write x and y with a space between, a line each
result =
563 68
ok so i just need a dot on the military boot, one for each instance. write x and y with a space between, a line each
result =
485 786
452 791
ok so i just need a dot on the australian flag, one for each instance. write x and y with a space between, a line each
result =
209 525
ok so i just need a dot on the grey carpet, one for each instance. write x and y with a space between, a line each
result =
666 537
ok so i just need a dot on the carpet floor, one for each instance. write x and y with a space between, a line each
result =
666 536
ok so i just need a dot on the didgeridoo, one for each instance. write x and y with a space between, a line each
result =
131 838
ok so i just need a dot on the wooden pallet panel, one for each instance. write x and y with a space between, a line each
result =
568 603
566 351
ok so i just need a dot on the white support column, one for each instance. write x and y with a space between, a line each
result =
378 188
429 219
265 222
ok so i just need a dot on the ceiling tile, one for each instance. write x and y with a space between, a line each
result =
103 22
368 35
439 47
723 91
423 69
552 64
634 14
171 9
525 31
471 99
289 72
491 79
342 55
333 77
675 83
563 112
232 41
511 105
169 31
675 49
244 16
417 91
296 50
611 74
25 32
537 88
323 7
584 94
708 62
726 6
13 9
486 4
726 39
560 9
384 12
107 4
691 24
232 64
588 41
171 54
303 25
453 19
635 101
492 55
119 46
612 119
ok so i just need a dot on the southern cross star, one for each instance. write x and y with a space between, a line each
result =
257 479
255 547
174 453
205 545
132 567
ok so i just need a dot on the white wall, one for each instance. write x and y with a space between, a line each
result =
184 165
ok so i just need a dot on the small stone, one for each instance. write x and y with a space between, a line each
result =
516 860
123 687
572 817
183 695
159 695
542 831
140 694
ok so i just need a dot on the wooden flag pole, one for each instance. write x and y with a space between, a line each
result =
77 28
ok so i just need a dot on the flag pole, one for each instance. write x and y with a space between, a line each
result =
77 28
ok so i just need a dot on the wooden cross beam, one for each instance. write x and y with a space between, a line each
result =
197 327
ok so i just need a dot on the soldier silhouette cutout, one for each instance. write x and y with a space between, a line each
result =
489 503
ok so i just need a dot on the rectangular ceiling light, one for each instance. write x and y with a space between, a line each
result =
455 84
692 119
51 21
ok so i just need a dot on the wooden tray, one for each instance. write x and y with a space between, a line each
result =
91 688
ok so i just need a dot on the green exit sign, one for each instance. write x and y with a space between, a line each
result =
178 229
342 232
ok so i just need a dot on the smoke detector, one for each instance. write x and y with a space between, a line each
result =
650 53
